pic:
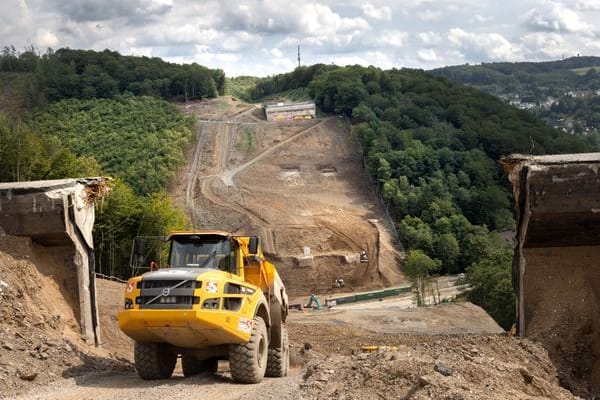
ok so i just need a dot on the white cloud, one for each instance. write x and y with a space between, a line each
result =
555 17
427 55
546 45
480 19
429 15
317 19
492 46
238 41
588 5
392 38
382 13
429 38
44 39
275 53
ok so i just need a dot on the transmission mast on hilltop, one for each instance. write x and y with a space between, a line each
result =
298 55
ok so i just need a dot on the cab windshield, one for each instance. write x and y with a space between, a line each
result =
202 252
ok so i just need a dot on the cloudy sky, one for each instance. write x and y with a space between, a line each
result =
254 37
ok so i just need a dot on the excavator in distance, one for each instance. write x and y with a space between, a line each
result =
218 299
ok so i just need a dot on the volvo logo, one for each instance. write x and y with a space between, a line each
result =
166 291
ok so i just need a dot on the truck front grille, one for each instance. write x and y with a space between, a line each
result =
189 284
167 294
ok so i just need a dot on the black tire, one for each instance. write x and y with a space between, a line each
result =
248 362
154 360
192 366
278 361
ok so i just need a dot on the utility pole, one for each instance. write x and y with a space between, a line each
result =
298 55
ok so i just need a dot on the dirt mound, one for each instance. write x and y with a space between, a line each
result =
39 331
115 343
450 351
436 367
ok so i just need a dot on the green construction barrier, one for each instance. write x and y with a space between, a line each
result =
365 296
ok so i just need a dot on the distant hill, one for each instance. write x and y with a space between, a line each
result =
565 93
87 74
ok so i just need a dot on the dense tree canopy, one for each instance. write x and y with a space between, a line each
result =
141 142
25 155
85 74
139 139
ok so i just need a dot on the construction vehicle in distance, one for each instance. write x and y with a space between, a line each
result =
218 299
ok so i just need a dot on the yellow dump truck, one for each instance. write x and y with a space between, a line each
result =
218 299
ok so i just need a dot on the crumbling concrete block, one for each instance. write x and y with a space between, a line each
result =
59 213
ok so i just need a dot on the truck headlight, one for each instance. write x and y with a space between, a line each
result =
211 304
128 304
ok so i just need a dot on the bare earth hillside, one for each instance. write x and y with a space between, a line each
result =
296 184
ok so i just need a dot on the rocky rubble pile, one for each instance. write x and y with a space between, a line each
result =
453 368
38 342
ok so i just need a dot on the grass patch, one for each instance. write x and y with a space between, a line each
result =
247 141
240 87
293 95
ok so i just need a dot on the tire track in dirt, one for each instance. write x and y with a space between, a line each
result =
224 142
193 172
228 176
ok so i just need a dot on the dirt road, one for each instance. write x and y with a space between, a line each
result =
128 386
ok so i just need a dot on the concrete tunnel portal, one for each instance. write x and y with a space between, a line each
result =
556 265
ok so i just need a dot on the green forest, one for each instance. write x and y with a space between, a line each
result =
86 74
529 79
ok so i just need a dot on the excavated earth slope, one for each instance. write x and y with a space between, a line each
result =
39 331
300 186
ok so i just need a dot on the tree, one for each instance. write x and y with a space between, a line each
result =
447 250
416 234
419 268
490 286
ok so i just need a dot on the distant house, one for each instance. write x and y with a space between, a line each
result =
290 111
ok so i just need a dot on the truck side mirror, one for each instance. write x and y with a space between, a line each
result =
253 245
138 247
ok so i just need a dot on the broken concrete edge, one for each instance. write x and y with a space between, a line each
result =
47 210
519 160
519 169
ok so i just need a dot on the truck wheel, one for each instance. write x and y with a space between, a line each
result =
154 360
278 361
248 362
192 366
